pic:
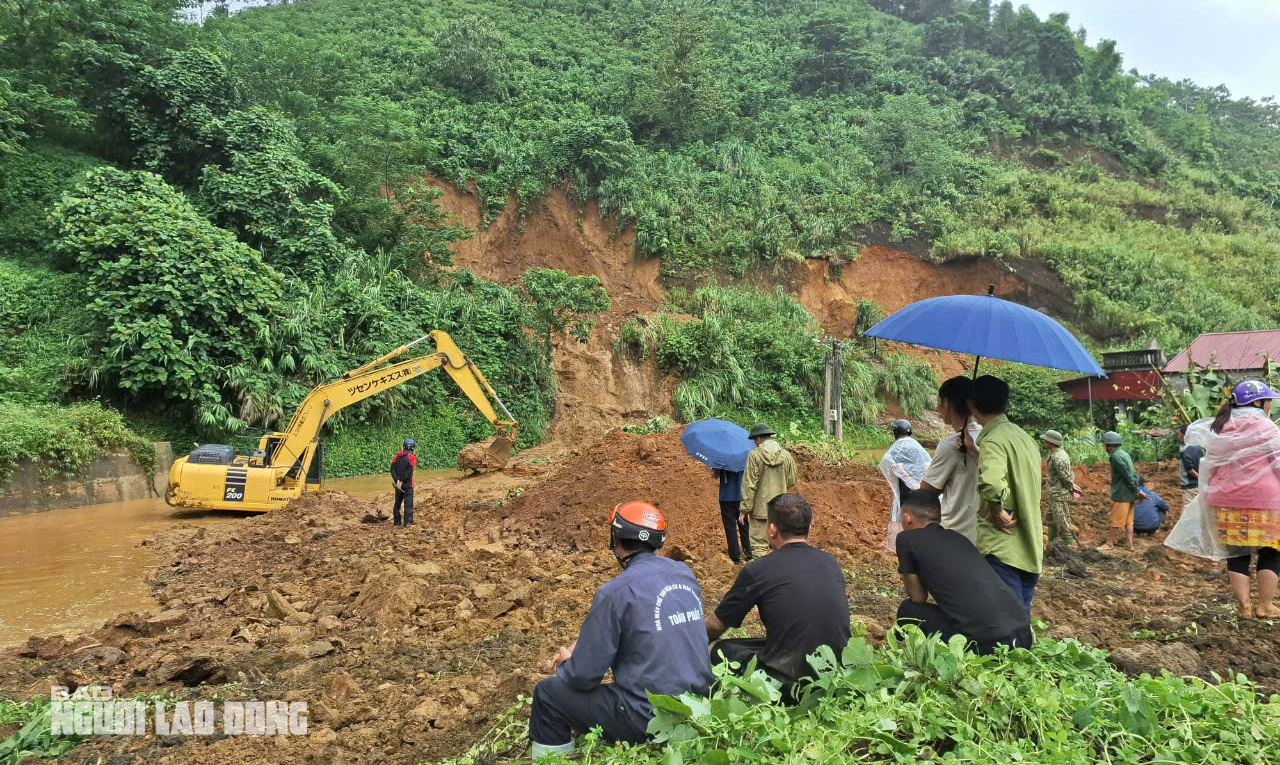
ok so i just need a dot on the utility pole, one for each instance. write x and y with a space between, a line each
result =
833 391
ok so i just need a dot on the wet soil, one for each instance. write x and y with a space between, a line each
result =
408 643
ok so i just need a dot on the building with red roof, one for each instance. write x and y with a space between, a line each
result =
1236 353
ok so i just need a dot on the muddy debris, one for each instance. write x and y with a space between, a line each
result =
408 644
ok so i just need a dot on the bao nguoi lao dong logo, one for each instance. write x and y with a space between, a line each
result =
92 710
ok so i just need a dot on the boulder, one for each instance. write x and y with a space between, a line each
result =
191 670
1179 658
313 650
422 569
278 607
484 549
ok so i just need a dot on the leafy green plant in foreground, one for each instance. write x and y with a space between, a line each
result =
919 699
33 738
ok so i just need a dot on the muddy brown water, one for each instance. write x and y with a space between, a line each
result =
68 570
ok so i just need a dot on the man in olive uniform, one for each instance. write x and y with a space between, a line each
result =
771 470
1060 488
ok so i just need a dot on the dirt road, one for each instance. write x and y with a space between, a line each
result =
408 643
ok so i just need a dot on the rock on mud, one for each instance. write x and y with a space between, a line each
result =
1179 658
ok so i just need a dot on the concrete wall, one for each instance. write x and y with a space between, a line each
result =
116 478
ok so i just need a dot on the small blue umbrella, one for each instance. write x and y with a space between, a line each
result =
987 326
717 444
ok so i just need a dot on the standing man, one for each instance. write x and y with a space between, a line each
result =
645 624
735 528
1124 492
903 466
800 592
771 470
1189 467
954 469
1009 525
402 476
1060 488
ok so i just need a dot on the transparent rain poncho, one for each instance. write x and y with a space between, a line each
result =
906 460
1240 471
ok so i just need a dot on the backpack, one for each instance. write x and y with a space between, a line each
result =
401 468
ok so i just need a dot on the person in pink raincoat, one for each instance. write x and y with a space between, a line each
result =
1244 492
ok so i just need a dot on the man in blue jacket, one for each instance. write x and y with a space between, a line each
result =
1149 511
645 624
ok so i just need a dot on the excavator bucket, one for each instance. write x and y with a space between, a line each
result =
490 454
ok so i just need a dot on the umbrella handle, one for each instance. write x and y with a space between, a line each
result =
976 361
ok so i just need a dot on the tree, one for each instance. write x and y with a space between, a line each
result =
676 97
556 302
270 196
173 302
471 57
838 56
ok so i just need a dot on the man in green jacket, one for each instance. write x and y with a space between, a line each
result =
1009 525
770 471
1124 491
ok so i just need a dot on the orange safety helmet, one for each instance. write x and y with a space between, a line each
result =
639 521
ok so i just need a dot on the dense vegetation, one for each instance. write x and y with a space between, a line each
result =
166 242
757 355
919 700
739 135
199 222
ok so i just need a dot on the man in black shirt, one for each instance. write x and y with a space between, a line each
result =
969 597
800 591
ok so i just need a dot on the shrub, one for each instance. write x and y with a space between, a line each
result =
173 302
62 441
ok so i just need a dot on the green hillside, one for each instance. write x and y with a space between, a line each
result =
197 223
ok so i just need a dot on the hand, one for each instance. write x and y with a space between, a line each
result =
1005 521
743 519
398 484
562 655
1075 492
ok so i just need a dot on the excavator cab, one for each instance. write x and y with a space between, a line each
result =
291 462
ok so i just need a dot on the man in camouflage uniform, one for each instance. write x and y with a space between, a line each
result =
1060 488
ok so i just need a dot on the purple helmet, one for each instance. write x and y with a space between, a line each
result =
1250 391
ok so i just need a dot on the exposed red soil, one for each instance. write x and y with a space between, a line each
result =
408 643
598 389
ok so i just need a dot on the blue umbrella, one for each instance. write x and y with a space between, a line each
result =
988 326
717 444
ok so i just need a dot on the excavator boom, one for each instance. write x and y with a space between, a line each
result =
286 463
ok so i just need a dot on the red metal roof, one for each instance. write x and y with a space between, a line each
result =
1229 351
1117 386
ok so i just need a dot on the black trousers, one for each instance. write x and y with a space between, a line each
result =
1268 560
735 531
560 713
403 497
931 620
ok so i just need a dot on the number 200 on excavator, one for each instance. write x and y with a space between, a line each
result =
288 463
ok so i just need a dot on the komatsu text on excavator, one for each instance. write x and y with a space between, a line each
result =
286 464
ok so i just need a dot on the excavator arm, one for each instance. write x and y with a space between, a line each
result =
372 378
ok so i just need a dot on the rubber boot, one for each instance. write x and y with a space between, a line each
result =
548 750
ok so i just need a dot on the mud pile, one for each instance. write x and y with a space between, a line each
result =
407 644
850 502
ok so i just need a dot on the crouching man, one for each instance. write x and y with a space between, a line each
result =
969 597
645 624
800 593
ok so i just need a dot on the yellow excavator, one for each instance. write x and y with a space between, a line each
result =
214 477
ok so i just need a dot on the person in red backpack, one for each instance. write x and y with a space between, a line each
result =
402 476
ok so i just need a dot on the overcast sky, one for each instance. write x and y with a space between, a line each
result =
1213 42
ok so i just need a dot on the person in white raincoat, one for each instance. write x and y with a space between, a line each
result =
903 466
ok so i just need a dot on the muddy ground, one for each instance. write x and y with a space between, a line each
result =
408 643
